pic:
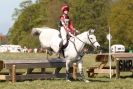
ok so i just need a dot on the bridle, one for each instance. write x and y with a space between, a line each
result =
92 43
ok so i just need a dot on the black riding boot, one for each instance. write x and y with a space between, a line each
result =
61 50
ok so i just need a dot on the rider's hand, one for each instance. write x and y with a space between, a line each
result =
71 34
77 31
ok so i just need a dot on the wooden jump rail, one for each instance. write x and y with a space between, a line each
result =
30 64
123 62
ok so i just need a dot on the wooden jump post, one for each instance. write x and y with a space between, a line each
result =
74 71
13 74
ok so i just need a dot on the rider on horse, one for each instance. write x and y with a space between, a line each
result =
66 27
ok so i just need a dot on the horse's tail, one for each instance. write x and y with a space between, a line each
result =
36 31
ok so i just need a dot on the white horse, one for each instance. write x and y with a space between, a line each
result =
49 38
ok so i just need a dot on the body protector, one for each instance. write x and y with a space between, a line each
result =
67 24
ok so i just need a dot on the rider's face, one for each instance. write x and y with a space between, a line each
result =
65 12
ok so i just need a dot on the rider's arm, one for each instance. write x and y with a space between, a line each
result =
73 30
72 27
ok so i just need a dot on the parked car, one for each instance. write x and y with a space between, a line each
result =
10 48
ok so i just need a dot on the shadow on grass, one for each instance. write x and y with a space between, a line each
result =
127 76
97 80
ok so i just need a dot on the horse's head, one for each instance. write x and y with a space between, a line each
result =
92 39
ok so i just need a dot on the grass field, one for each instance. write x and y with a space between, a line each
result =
101 81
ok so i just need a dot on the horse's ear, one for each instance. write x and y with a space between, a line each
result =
91 31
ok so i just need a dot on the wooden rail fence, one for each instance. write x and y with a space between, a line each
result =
29 65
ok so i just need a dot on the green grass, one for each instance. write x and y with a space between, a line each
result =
101 81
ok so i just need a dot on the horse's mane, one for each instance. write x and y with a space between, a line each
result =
78 35
81 34
46 27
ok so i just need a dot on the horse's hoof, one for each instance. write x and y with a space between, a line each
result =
86 81
68 80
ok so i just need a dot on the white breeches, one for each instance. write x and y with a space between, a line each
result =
63 35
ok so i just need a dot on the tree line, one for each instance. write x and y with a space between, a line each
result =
85 14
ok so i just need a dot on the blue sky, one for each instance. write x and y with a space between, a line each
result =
6 10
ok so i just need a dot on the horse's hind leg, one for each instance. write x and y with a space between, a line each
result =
80 67
48 52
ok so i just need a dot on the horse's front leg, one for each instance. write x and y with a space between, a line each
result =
80 68
67 70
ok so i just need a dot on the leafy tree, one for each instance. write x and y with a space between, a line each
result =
23 25
121 22
91 14
84 13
